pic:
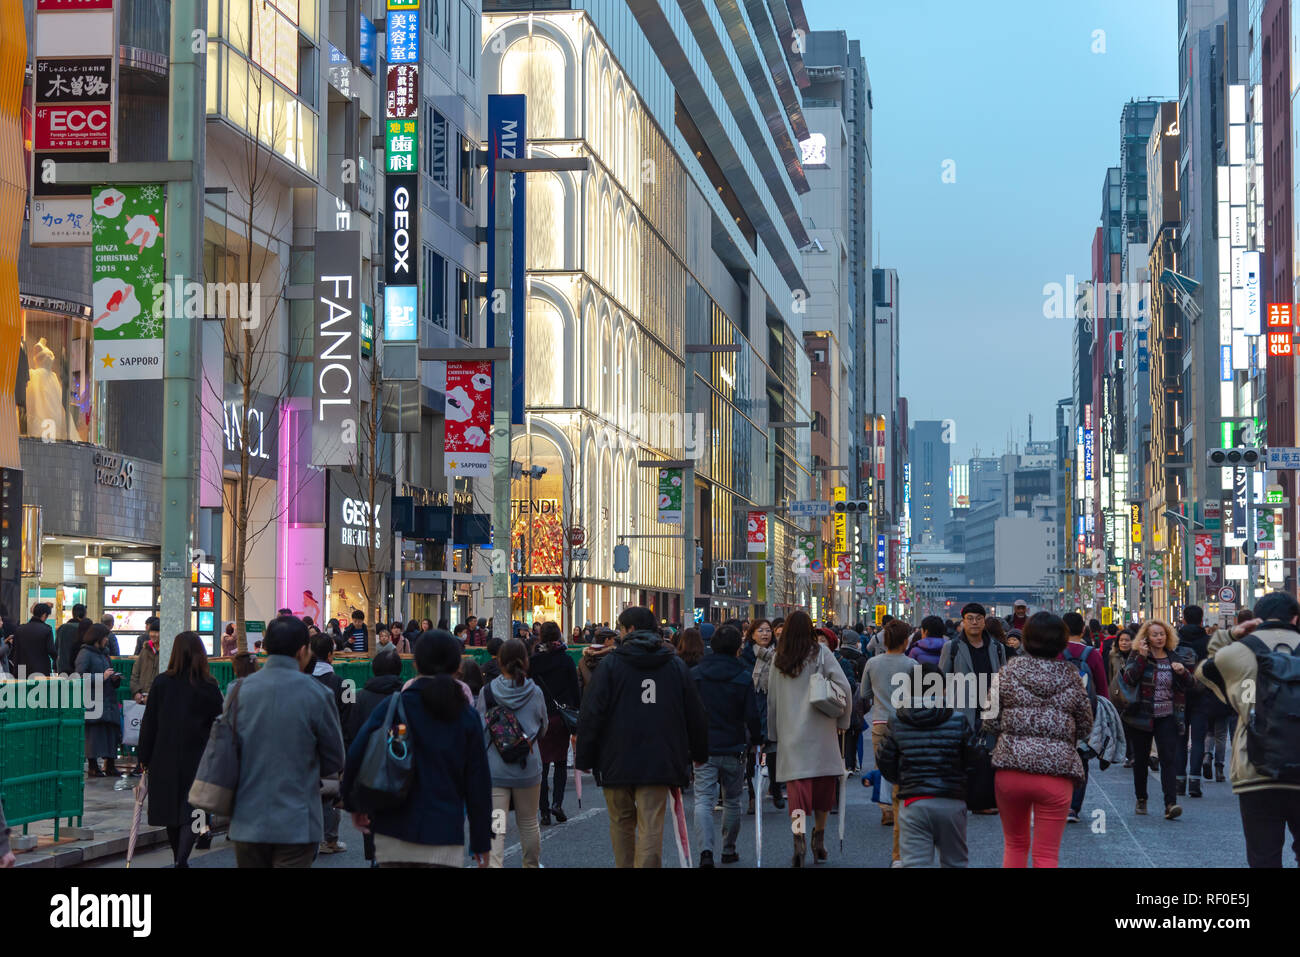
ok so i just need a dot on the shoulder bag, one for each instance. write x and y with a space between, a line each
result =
825 695
217 779
384 779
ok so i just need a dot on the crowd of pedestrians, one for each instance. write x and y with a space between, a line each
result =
973 715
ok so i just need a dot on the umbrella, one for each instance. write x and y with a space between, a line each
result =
141 793
760 775
577 777
681 838
844 795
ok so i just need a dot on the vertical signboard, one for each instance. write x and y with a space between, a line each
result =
402 172
401 262
670 496
74 97
841 521
802 557
466 446
336 348
756 532
128 271
507 133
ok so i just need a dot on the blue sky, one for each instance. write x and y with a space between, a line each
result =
1011 91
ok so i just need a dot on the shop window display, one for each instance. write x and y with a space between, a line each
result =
55 384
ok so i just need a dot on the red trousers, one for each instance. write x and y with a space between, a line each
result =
1047 798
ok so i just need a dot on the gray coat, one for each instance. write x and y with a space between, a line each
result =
529 705
956 659
807 745
102 707
1107 736
289 738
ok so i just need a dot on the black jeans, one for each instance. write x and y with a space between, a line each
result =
1076 802
557 791
1265 816
182 841
1165 733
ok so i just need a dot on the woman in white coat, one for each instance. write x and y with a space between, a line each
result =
809 759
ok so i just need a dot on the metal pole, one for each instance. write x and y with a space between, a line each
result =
502 384
184 237
688 500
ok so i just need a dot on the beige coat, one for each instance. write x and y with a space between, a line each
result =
807 742
1230 670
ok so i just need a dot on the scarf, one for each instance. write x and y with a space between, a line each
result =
763 666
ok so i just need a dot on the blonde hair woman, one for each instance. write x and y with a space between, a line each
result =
1157 684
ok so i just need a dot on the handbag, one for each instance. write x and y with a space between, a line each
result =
217 779
825 695
568 715
1125 697
387 768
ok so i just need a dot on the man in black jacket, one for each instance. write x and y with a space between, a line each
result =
1202 707
68 639
641 725
926 752
33 645
726 687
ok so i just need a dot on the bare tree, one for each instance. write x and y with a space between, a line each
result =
253 362
367 473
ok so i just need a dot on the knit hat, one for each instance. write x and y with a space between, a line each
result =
706 630
850 638
832 642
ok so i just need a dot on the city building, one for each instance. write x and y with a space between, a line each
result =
929 449
685 231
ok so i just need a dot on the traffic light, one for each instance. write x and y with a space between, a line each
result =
719 577
622 558
1227 458
852 507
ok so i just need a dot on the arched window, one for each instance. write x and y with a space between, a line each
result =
633 297
535 66
544 329
592 99
634 148
606 114
545 222
589 343
605 273
620 145
591 255
619 287
606 370
619 410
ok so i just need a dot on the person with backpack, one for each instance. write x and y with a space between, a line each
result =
555 673
514 717
1258 674
1157 682
726 687
1042 713
927 649
1091 668
1203 708
450 779
925 752
641 726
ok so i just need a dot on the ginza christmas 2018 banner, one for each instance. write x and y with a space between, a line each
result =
468 447
128 261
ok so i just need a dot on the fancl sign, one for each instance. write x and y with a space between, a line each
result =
336 348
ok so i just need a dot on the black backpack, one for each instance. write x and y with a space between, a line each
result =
1273 728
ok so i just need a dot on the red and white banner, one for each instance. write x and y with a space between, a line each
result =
74 126
757 532
1204 553
43 5
843 567
467 447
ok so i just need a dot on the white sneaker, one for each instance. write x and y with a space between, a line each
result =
896 864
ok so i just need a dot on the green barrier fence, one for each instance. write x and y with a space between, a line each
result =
42 751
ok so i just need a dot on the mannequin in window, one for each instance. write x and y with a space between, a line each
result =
46 416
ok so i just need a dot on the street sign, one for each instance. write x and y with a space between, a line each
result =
1282 458
815 566
578 554
812 508
577 536
1227 595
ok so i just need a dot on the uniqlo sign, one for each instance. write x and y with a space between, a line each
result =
1279 343
1279 315
82 126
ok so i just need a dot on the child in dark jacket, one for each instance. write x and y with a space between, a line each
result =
926 751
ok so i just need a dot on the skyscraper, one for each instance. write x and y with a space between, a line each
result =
931 506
